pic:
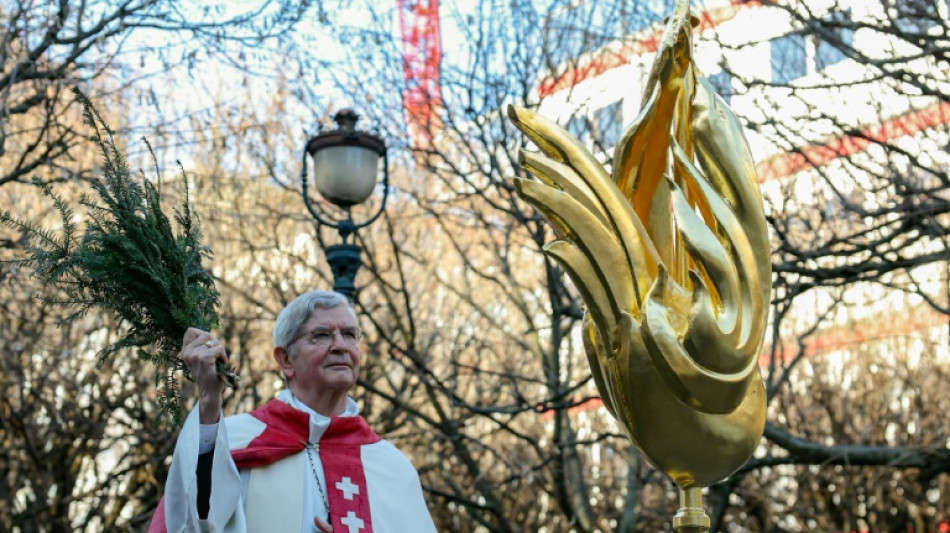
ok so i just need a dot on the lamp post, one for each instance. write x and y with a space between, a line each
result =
345 172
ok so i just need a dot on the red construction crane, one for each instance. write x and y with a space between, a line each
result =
422 54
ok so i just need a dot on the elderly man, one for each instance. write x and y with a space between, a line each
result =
305 462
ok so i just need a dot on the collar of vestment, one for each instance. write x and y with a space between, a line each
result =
289 430
318 422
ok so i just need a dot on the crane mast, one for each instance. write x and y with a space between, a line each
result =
422 55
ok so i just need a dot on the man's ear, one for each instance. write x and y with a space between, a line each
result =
282 356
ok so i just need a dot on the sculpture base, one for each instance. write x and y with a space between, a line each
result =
691 517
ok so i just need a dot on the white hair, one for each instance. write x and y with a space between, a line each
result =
293 317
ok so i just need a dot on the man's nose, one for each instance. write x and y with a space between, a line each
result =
338 341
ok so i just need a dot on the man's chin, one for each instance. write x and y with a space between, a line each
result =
333 372
340 378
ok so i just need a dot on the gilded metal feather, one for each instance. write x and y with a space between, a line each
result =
670 253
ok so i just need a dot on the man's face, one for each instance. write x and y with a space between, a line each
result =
331 367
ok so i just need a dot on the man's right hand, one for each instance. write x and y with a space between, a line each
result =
200 351
322 526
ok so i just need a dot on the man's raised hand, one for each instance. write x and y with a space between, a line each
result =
200 351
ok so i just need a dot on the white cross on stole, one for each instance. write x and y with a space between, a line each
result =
347 487
352 522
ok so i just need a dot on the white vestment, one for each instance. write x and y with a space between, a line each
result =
372 486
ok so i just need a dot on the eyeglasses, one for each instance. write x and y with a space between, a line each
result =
324 336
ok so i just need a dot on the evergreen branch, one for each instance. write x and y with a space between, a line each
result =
129 262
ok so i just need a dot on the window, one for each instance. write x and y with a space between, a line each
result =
609 122
828 53
635 15
603 125
575 29
788 58
656 10
722 83
792 55
579 127
916 16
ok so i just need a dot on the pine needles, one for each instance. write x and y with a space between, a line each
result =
129 262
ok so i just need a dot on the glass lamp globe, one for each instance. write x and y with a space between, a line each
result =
346 161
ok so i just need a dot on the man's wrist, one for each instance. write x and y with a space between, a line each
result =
209 409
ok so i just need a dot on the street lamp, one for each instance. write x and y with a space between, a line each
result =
345 171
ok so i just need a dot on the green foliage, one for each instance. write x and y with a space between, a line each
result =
129 262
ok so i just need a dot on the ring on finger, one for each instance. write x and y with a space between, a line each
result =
210 344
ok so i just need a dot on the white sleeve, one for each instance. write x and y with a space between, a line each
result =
181 487
209 433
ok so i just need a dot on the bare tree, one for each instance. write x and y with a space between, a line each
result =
49 47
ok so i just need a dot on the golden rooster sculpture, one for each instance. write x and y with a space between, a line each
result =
670 253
